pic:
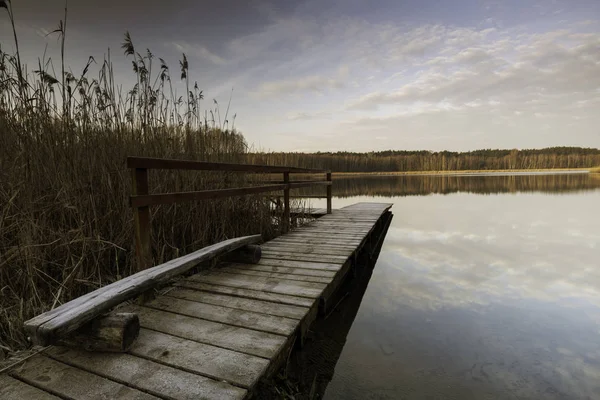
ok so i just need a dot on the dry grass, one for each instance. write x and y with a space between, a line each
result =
65 223
595 170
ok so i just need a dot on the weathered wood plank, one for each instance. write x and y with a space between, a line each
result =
288 242
231 316
243 340
14 389
325 235
292 271
304 257
164 163
113 332
309 250
301 289
214 362
302 278
301 264
46 328
266 307
148 376
70 382
315 241
247 293
335 232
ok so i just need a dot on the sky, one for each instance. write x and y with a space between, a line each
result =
335 75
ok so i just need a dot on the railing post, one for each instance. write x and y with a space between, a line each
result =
329 192
141 215
286 202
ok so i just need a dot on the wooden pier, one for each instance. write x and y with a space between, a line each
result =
213 334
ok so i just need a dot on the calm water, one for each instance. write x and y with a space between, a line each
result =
487 287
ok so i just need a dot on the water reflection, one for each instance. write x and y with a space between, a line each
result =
481 297
410 185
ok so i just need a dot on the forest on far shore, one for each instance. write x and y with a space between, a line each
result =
424 160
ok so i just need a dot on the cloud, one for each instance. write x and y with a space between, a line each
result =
314 83
200 52
538 66
299 116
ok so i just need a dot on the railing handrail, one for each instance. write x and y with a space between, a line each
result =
142 199
166 163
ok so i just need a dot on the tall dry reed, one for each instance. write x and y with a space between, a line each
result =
65 223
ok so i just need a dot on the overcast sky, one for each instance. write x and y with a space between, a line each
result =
359 75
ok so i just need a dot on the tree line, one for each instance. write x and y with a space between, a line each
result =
423 160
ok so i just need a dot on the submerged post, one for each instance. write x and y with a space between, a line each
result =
286 202
329 192
141 217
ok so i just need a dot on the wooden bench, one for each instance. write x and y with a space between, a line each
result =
73 321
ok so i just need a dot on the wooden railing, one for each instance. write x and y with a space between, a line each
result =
142 199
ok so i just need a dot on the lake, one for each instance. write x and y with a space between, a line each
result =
487 287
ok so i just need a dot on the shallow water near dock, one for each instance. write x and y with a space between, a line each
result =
487 287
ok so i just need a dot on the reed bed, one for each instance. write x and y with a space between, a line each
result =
65 223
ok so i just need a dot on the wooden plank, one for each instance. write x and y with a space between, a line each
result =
291 271
46 328
338 229
325 234
281 243
278 275
164 163
247 293
214 362
265 307
304 257
301 289
141 221
286 203
180 197
231 316
14 389
301 264
309 250
332 241
146 200
329 196
243 340
73 383
148 376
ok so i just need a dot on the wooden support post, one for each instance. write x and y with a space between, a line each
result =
143 245
286 202
329 193
113 332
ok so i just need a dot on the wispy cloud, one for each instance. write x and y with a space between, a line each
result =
200 52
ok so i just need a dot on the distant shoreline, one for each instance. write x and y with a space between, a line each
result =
464 172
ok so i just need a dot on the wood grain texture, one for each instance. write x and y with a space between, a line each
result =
14 389
46 328
302 278
288 270
231 316
247 293
148 376
243 340
214 362
71 382
264 307
300 289
301 264
113 332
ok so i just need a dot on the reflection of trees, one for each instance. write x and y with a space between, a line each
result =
444 184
